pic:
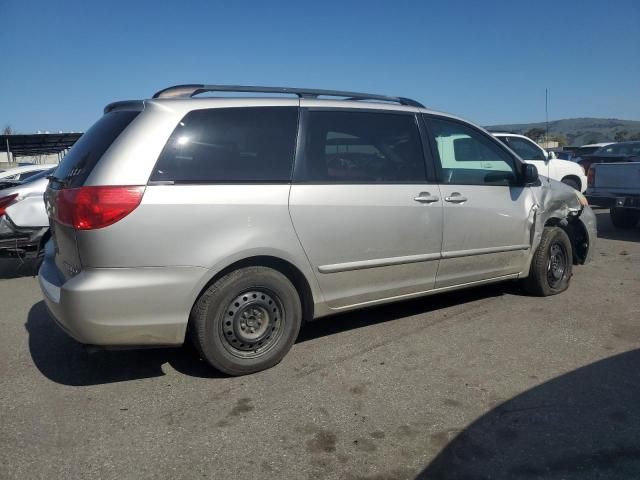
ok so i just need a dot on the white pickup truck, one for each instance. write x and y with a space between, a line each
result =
564 171
617 186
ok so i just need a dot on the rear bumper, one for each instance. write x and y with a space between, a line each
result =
613 199
601 201
122 306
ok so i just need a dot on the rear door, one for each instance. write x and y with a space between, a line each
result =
364 210
487 220
72 172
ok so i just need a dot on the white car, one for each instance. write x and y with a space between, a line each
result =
24 223
23 172
565 171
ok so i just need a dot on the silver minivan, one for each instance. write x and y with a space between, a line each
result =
233 220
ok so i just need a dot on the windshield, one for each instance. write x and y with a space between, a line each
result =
629 148
586 150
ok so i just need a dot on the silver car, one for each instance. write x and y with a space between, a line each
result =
232 221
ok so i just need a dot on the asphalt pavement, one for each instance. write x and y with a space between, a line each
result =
483 383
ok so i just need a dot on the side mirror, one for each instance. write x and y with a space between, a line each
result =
551 155
529 174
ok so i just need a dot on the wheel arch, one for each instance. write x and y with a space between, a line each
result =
574 178
577 233
285 267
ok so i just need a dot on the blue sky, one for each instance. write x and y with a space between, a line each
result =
488 61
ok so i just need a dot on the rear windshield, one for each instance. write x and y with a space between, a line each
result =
77 165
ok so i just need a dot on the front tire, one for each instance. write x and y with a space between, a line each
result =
247 320
623 217
551 266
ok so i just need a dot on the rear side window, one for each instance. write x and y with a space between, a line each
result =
361 147
254 144
77 165
524 148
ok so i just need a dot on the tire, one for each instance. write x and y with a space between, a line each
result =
573 183
623 217
247 320
552 264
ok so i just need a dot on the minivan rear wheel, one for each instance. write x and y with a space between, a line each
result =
552 263
247 320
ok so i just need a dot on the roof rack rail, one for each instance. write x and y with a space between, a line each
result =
182 91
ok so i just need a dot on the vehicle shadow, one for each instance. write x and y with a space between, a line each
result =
65 361
608 231
582 425
393 311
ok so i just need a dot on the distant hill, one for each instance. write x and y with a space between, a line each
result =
580 131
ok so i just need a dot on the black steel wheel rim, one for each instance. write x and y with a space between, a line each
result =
557 264
253 323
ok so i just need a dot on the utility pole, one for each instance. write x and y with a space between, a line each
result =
8 150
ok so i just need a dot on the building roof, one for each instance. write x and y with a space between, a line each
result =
38 143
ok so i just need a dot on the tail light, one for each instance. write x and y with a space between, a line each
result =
89 208
6 201
591 177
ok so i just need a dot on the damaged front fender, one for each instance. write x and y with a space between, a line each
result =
562 206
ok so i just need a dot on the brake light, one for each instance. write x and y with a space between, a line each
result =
89 208
6 201
591 177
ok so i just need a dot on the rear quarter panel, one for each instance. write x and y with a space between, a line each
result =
210 226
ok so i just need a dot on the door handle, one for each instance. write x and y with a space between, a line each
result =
455 197
426 197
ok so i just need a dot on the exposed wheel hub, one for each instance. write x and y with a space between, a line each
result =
252 322
557 264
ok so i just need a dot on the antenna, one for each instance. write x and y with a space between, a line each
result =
546 116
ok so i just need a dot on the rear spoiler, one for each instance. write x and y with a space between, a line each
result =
125 105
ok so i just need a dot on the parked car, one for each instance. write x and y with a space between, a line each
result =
24 224
617 186
23 172
562 170
4 183
588 149
615 152
232 221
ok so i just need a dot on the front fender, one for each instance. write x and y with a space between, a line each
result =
559 205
